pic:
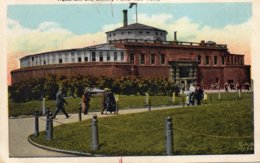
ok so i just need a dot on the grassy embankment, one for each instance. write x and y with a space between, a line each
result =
125 102
196 130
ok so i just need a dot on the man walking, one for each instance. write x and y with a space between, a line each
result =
60 104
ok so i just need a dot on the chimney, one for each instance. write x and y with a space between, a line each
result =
175 35
125 17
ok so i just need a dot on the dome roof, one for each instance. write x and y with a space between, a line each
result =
137 26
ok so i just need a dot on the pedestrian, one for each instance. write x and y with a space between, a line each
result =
60 104
104 101
192 94
86 97
199 95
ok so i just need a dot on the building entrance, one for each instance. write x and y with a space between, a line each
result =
183 73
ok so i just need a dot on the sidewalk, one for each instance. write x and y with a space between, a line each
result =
21 128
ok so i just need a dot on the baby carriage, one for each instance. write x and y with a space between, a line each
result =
109 103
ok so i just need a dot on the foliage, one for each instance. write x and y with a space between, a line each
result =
34 89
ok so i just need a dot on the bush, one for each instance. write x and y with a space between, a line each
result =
129 85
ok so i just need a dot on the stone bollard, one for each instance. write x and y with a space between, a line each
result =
173 98
169 136
94 128
80 112
219 95
239 94
149 105
50 127
183 101
117 103
47 117
36 123
43 105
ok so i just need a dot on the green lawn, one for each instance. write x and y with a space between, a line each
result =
194 131
125 102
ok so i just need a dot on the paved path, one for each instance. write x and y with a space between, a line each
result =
21 128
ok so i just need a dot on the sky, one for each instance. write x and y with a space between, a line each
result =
41 28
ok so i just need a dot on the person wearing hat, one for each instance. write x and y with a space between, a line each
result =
60 104
85 101
105 100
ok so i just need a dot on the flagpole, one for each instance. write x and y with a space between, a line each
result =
136 12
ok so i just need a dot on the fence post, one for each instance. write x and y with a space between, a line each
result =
183 100
149 104
239 94
219 95
50 127
117 103
80 112
43 105
36 123
169 136
173 98
94 127
47 117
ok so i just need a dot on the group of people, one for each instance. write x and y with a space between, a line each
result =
231 86
195 95
109 103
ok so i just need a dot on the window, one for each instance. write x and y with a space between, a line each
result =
122 33
60 60
152 58
122 56
161 34
100 56
114 34
199 59
79 59
223 60
115 56
215 60
132 57
109 35
32 58
108 56
44 62
148 32
156 33
129 33
86 59
184 72
93 56
207 60
162 59
142 58
232 59
140 32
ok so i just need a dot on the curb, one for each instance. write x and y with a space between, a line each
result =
62 150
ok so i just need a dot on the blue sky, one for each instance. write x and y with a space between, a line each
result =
82 19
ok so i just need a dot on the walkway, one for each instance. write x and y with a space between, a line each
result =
21 128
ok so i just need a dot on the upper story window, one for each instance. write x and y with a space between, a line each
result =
93 56
86 59
132 57
109 35
207 60
140 32
223 60
215 60
32 58
162 59
142 58
60 60
115 56
79 59
156 33
101 56
148 32
108 56
199 59
129 33
122 33
122 56
161 34
152 58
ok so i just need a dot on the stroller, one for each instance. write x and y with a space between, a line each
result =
109 104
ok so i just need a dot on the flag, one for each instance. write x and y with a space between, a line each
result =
132 4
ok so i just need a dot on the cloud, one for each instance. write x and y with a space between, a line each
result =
52 36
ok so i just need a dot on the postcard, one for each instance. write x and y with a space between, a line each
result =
129 81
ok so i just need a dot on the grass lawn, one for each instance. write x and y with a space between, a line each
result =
144 134
125 102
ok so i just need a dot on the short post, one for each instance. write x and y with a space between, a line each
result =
117 103
80 112
47 117
183 101
173 98
43 106
36 123
239 94
169 136
50 127
219 95
149 104
94 127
